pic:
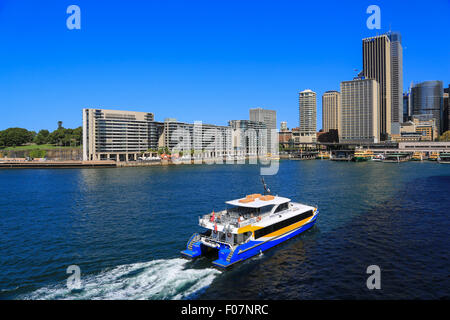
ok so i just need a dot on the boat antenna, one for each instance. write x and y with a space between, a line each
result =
266 188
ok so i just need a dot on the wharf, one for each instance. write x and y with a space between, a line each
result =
50 164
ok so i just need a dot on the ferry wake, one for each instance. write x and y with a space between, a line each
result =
249 226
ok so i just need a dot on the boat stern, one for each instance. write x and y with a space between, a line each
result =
193 252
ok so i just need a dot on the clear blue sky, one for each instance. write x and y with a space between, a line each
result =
198 60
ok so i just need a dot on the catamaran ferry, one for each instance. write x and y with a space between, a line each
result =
248 227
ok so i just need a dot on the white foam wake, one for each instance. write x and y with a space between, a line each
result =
156 279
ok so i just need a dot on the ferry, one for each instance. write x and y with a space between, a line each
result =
444 158
323 155
249 226
434 156
396 157
363 155
378 157
418 156
270 156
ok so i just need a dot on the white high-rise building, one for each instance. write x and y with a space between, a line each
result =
308 116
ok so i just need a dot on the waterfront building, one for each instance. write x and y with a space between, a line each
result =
360 106
427 101
248 137
331 111
269 118
417 129
286 139
307 116
396 77
207 139
118 135
377 65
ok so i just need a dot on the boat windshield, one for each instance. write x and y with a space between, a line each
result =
246 212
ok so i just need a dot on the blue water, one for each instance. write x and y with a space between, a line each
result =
124 227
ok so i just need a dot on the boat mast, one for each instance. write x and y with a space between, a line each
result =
266 189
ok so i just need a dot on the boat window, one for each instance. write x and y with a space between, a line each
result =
282 224
266 209
282 207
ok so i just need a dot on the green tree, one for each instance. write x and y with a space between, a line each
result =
42 137
15 137
38 153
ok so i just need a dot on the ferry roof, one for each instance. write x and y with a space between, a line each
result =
257 203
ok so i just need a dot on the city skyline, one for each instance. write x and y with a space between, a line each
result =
44 80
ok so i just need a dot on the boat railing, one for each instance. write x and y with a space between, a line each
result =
193 239
216 240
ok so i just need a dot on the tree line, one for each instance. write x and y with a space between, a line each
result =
14 137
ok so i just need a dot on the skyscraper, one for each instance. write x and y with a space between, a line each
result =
308 115
269 118
396 76
446 121
331 110
427 101
377 65
360 111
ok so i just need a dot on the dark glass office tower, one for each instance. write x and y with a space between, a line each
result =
427 101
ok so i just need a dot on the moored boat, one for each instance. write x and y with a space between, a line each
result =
434 156
323 155
248 227
363 155
444 158
379 157
396 157
418 156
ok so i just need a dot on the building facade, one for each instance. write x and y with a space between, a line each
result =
248 137
427 101
307 116
118 135
360 111
331 111
377 65
417 130
206 139
269 118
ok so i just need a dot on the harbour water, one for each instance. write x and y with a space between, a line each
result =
125 227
